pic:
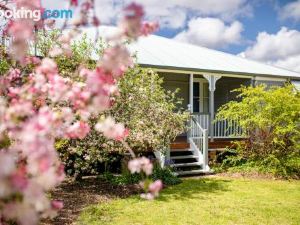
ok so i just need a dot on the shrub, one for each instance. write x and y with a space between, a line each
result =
271 120
166 175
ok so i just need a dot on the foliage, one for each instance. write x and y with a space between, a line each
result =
230 200
142 105
271 120
123 179
4 62
148 110
81 52
87 156
166 175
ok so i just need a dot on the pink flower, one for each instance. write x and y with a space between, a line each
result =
96 21
56 51
20 29
58 88
147 196
74 2
47 67
7 163
24 213
78 130
111 129
116 60
13 74
155 187
149 27
140 164
134 11
19 180
134 166
131 23
57 205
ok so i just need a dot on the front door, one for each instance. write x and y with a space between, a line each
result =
200 96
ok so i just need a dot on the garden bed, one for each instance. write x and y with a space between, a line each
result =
80 194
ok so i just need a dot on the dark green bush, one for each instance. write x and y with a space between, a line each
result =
165 174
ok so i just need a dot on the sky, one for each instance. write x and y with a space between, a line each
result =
263 30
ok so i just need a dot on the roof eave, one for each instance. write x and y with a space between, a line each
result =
220 72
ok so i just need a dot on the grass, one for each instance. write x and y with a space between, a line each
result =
205 201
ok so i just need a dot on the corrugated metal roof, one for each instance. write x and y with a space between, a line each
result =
167 53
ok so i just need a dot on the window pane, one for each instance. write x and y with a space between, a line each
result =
195 105
196 89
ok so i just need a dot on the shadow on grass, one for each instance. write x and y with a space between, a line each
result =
193 188
78 195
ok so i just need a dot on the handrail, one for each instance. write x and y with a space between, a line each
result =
199 142
198 124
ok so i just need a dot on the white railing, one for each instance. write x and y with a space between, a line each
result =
221 128
199 143
227 129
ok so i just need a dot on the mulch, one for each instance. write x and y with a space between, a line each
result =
77 195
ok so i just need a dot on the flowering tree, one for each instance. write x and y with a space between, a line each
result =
39 105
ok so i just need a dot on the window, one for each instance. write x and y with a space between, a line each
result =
200 96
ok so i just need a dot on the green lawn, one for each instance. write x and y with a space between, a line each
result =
206 201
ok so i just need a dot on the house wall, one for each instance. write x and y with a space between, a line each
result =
224 86
172 81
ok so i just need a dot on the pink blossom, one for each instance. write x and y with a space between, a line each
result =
140 164
19 179
33 4
65 38
155 187
56 51
13 74
116 60
20 29
134 11
7 163
74 2
24 213
111 129
30 60
134 166
149 27
131 23
78 130
58 88
48 66
147 196
57 205
96 21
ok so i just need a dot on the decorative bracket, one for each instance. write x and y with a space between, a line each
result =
212 81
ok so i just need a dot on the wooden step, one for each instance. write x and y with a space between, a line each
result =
184 157
186 164
179 145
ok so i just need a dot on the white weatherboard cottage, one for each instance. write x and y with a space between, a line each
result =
205 78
